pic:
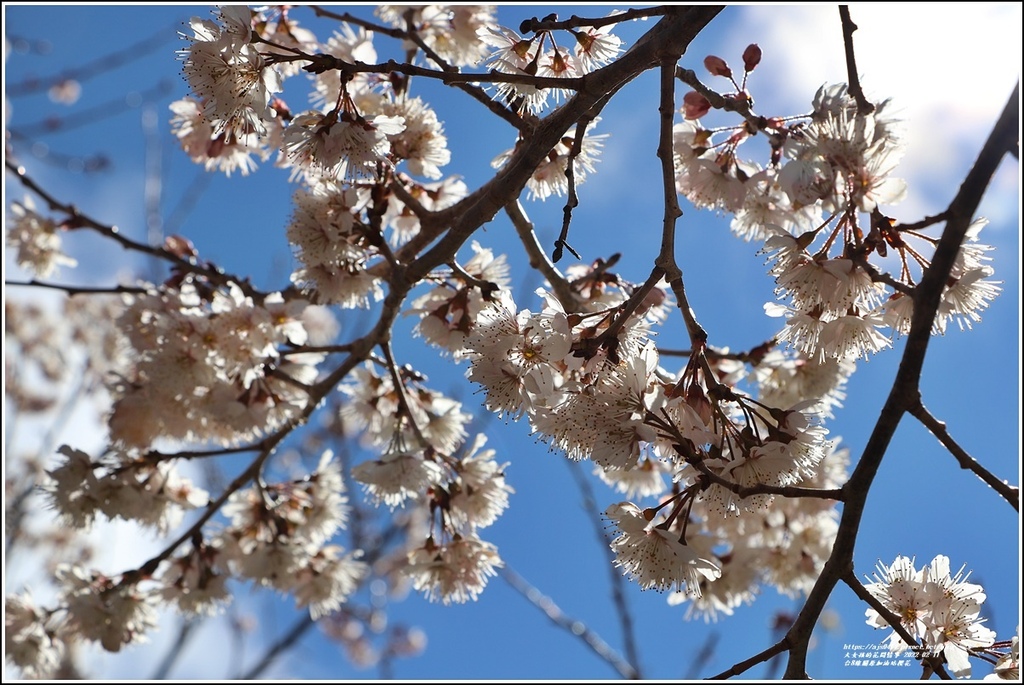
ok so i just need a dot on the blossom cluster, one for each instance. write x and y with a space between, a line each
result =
826 170
365 129
229 75
938 608
277 535
551 177
37 240
427 464
210 365
590 384
593 47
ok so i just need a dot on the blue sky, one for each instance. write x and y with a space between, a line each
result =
922 505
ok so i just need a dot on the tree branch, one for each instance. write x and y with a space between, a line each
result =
671 35
89 116
892 619
938 428
321 62
282 645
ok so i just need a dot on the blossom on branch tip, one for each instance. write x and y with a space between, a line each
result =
450 310
151 494
514 54
399 475
479 493
340 146
596 46
328 580
37 239
226 151
196 581
453 572
208 369
653 556
229 74
112 613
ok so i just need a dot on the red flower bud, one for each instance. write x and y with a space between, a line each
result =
695 105
717 66
751 57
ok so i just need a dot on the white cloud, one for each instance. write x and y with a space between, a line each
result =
949 68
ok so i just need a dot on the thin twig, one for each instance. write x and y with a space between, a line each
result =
744 491
853 78
307 349
923 223
574 627
931 663
201 181
100 65
184 633
629 307
572 201
471 89
298 629
86 117
892 619
408 199
486 288
702 657
617 579
77 219
533 25
154 455
403 399
672 34
320 62
882 277
72 290
539 259
14 513
150 566
352 19
938 428
746 664
753 356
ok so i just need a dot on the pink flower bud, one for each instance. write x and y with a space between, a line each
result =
717 66
180 247
751 57
695 105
